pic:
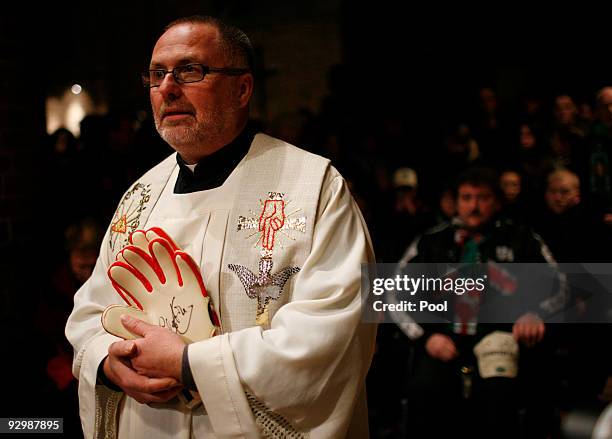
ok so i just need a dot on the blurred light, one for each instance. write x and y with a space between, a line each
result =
74 114
68 109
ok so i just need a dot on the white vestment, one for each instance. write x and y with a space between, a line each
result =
301 372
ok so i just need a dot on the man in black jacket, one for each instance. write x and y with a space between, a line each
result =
446 394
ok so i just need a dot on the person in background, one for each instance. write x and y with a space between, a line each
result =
513 202
577 235
447 397
82 244
409 214
598 185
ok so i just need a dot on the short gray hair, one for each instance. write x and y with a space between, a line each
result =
233 40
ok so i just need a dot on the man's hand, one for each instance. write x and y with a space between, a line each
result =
528 329
441 347
159 353
142 388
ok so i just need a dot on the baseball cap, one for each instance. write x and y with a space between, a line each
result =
405 177
497 355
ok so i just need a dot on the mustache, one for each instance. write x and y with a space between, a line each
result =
171 107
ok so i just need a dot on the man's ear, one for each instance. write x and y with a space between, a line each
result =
245 89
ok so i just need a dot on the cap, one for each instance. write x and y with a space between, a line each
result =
497 355
405 177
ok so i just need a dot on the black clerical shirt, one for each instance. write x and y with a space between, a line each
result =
212 170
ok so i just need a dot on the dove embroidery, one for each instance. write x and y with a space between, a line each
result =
265 286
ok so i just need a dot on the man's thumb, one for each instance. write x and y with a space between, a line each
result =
135 326
130 348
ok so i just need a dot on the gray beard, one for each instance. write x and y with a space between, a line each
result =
181 135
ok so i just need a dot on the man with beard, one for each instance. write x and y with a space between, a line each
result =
447 392
279 242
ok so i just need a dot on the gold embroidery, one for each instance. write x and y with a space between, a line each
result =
120 226
273 425
127 217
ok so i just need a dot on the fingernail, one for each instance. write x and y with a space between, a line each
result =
125 318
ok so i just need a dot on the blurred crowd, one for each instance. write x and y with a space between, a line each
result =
552 154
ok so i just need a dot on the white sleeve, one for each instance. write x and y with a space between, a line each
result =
306 373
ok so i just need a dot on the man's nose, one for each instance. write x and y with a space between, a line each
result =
472 203
169 88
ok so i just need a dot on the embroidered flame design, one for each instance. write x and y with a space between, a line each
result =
120 226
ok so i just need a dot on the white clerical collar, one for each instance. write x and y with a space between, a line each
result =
191 167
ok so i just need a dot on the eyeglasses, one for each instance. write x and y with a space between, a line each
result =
185 74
